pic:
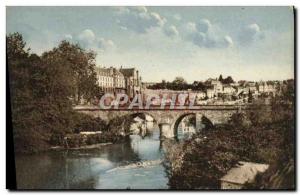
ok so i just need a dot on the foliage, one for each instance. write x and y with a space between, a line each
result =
205 160
179 84
208 124
83 122
41 90
227 80
262 135
120 125
78 68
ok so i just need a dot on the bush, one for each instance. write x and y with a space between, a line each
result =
83 122
209 155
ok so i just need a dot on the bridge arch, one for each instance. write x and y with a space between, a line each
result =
200 119
178 120
135 114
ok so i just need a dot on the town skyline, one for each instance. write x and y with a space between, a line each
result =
216 76
194 41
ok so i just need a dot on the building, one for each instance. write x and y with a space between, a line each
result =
124 80
243 173
228 89
111 80
264 87
252 86
201 95
133 81
217 86
210 93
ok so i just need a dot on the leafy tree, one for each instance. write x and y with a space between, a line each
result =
220 78
41 89
179 81
228 80
163 84
80 67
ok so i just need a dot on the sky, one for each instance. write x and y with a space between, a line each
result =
197 43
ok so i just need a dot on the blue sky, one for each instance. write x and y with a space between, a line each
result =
252 43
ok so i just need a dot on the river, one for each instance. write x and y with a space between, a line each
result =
134 164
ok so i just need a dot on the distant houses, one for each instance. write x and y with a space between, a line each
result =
211 91
216 92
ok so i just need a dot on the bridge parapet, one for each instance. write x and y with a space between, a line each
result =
168 120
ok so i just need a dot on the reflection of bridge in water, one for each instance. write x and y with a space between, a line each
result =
167 119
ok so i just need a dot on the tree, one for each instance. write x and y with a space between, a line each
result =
220 78
26 90
250 97
15 47
179 81
41 89
81 67
163 84
228 80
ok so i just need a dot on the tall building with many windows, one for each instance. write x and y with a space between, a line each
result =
111 80
124 80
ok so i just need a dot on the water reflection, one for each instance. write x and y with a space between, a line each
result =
135 164
90 169
186 127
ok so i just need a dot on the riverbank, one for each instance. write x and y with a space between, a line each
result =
92 146
200 162
134 163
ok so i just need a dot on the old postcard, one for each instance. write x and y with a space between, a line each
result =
151 98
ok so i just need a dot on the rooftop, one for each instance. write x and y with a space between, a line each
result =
244 172
127 72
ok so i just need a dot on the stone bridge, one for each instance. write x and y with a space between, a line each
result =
168 120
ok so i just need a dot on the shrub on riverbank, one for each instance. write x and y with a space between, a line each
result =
120 125
81 140
112 132
268 138
84 122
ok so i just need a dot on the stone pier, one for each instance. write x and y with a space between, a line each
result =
166 130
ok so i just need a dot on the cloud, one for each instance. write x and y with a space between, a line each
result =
88 40
250 33
206 35
177 17
228 40
203 25
190 27
105 43
171 31
68 37
138 19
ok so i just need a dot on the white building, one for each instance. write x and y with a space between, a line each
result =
228 89
266 88
210 93
243 173
201 95
217 86
123 80
110 80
